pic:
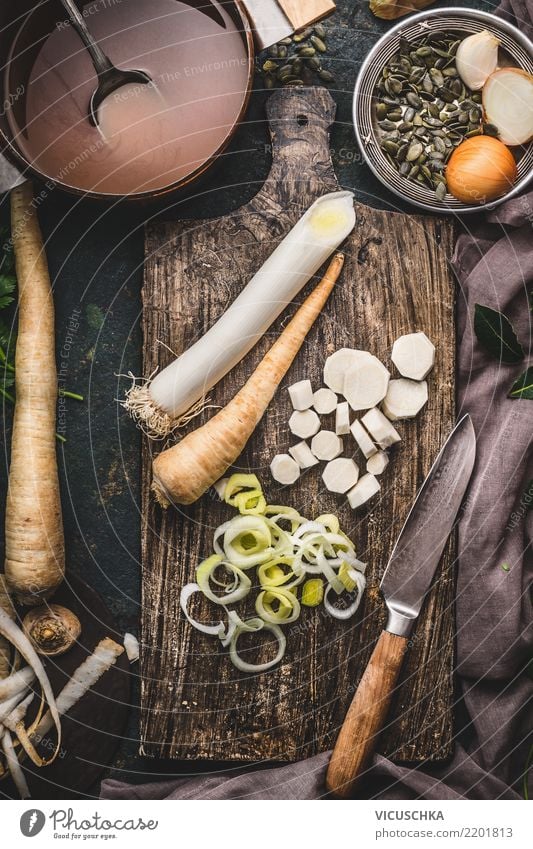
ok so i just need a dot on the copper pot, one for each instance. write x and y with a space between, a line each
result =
29 25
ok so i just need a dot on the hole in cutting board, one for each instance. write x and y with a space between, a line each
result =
302 120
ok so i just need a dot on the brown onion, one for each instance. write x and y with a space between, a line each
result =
480 169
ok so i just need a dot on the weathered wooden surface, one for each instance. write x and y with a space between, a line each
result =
396 279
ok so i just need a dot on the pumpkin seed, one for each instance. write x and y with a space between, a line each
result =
327 76
306 51
414 152
491 130
320 30
440 191
317 42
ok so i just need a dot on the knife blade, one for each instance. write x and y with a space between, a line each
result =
274 20
417 552
405 583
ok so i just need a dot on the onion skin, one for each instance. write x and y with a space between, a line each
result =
481 169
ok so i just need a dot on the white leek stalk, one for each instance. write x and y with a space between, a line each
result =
170 399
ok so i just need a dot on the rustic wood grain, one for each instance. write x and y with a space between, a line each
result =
396 279
301 13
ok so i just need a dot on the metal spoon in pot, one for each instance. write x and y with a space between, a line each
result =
110 78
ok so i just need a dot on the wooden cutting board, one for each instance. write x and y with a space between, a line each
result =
396 280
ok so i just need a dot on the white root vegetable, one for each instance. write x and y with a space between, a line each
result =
342 419
220 487
5 649
14 766
86 675
185 471
340 475
303 455
9 705
380 428
365 385
405 398
326 445
16 682
377 464
413 355
304 423
363 440
284 469
35 548
363 491
301 395
324 401
131 646
508 103
166 402
20 641
339 364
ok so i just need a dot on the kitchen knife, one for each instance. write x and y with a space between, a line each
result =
405 583
273 20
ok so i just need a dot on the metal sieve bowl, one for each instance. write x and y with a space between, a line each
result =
515 49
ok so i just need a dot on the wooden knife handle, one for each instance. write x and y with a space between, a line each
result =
366 716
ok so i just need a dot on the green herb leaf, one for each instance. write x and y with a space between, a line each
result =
7 287
496 333
523 387
506 567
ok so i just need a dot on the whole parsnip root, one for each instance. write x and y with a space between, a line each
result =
182 474
35 555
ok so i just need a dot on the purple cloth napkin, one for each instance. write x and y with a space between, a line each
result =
494 266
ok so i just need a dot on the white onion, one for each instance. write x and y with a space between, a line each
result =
508 104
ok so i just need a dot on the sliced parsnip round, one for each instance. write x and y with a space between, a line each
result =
324 401
413 355
301 395
340 475
304 423
326 445
405 398
284 469
365 384
380 428
377 464
342 419
303 455
339 364
363 491
363 439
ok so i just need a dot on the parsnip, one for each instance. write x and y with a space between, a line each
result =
326 445
5 651
377 464
284 469
365 385
380 428
35 553
324 401
340 475
339 364
342 419
363 491
363 440
303 455
304 423
301 395
405 398
184 472
413 355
